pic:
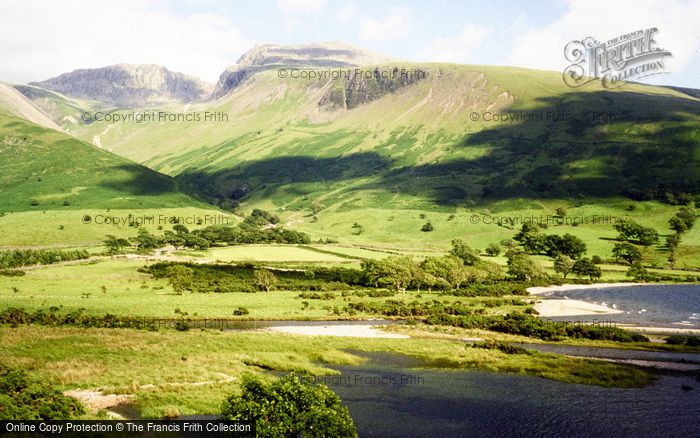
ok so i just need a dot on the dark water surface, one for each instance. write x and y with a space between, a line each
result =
386 398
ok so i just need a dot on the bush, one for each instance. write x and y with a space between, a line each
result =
290 406
500 346
427 227
25 398
240 311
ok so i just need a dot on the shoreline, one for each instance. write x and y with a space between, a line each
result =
539 290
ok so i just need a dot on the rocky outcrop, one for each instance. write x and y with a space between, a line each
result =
271 56
127 85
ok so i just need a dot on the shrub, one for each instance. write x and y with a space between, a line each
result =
427 227
240 311
25 398
290 406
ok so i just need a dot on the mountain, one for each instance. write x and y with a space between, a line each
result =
43 169
128 86
272 56
17 104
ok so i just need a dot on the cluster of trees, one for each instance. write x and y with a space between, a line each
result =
680 223
534 241
461 266
259 227
23 397
27 257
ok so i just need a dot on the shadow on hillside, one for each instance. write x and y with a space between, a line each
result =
605 143
138 180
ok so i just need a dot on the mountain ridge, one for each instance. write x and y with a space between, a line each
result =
128 85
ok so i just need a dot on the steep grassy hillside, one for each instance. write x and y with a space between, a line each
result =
13 102
432 141
44 169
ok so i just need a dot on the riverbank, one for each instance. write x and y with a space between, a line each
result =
554 307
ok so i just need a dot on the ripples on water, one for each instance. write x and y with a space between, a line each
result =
664 305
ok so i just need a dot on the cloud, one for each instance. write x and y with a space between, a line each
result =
396 24
44 39
605 19
457 48
346 13
300 6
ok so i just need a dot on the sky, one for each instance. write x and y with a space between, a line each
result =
40 39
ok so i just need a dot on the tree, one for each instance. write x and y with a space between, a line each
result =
626 252
446 271
115 245
427 227
586 268
567 244
461 250
523 268
563 264
561 211
146 241
394 272
631 231
264 279
637 271
290 406
180 278
672 241
181 229
493 249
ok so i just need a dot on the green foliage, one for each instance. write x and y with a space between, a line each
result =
180 278
523 268
461 250
115 245
692 341
23 397
493 250
500 346
240 311
637 271
427 227
27 257
627 252
265 280
631 231
586 268
394 272
563 264
290 406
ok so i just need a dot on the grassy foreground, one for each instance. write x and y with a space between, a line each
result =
191 372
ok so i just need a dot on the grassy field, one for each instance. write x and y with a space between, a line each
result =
192 372
127 292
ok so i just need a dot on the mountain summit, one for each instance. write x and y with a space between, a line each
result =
270 56
129 85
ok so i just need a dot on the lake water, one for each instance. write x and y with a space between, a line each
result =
658 305
387 398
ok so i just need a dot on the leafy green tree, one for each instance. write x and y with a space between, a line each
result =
461 250
181 229
523 268
180 278
493 250
586 268
563 264
147 241
446 271
567 244
637 271
290 406
631 231
393 272
672 241
427 227
264 279
115 245
626 252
